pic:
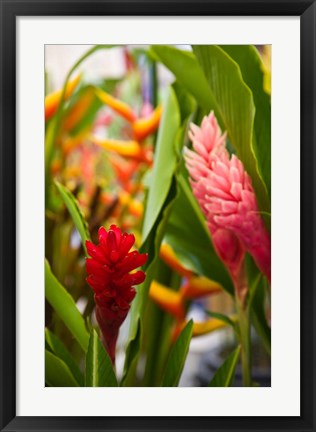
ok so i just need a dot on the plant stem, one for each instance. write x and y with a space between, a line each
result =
244 326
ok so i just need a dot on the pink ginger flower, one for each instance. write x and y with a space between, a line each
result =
224 191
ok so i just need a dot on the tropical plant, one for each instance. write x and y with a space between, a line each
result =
157 199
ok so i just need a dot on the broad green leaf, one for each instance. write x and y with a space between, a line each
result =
186 102
65 307
189 236
60 351
186 69
152 247
224 376
177 357
133 346
165 163
57 373
236 108
99 368
251 67
161 195
75 212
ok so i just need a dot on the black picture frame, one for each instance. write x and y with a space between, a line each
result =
11 9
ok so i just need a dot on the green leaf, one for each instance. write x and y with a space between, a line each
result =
60 351
177 357
189 236
165 163
133 346
152 246
161 195
224 376
258 287
236 108
186 102
254 277
75 212
251 67
57 373
186 69
65 307
99 368
222 317
259 317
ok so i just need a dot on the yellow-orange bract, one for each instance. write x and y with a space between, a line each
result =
117 105
52 100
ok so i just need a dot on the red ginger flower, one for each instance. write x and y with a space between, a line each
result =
226 196
109 276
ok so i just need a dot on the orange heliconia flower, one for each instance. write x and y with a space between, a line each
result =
142 127
52 100
117 105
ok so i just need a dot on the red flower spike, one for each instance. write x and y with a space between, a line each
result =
109 276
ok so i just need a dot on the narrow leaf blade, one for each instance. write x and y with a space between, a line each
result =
222 317
259 317
177 357
65 307
75 213
225 374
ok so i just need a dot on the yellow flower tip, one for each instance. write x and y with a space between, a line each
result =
124 198
136 208
168 300
200 286
130 149
52 100
167 254
145 126
208 326
199 328
117 105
